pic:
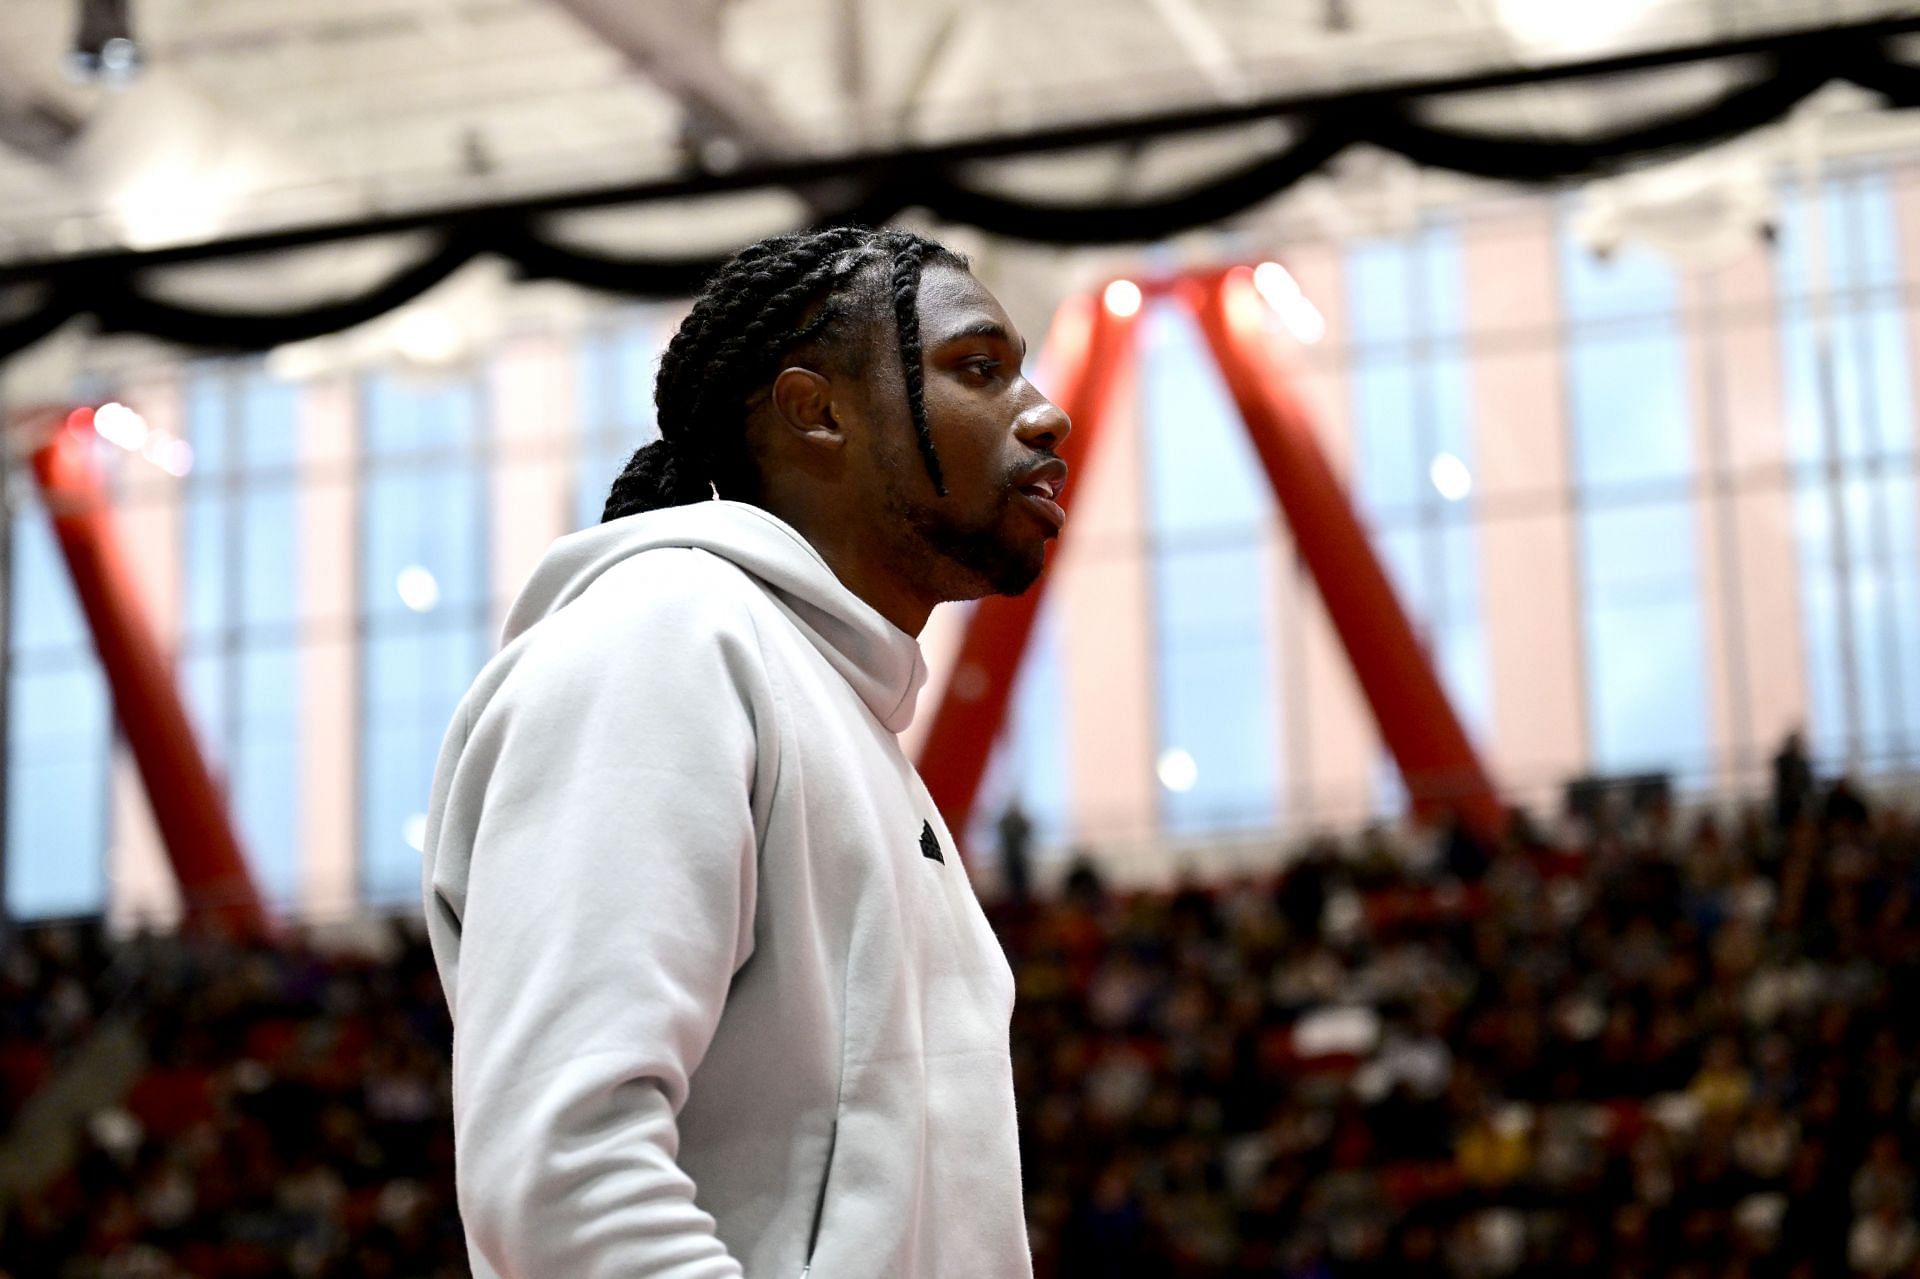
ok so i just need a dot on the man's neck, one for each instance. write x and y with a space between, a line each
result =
849 551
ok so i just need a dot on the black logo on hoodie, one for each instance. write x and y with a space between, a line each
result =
930 843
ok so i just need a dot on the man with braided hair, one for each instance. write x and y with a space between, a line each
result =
724 1002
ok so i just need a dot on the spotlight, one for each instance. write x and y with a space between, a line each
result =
1177 771
103 45
418 588
1282 292
1451 477
1122 298
120 425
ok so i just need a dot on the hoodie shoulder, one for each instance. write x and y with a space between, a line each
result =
668 595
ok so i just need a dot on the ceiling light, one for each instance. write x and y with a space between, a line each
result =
419 589
1122 299
170 453
118 424
1557 26
1276 283
1451 477
103 45
427 335
1177 771
1296 311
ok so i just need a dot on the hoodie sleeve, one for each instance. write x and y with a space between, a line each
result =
609 900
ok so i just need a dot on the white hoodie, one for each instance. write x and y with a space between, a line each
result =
724 1002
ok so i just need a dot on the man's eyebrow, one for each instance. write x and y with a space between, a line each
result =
984 329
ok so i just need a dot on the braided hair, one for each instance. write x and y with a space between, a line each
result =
770 301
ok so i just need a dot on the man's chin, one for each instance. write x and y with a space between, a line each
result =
1018 578
991 564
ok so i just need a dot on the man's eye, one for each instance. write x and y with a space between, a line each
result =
983 368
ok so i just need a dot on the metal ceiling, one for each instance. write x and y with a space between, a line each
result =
255 113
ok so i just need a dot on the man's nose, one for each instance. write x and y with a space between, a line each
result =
1043 426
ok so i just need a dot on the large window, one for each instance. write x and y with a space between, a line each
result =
1209 509
1850 439
58 734
1414 456
614 370
423 604
1029 764
239 656
1633 465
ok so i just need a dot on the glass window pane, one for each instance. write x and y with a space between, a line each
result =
1634 280
1206 479
424 518
407 416
206 406
57 751
1630 406
1646 670
270 436
414 682
1215 705
268 514
1379 278
46 613
265 770
1390 471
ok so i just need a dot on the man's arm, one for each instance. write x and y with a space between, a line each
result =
609 901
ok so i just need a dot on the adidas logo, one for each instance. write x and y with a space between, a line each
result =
930 843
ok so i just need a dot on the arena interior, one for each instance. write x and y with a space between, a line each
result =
1448 806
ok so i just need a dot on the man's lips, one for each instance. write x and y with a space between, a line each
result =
1041 488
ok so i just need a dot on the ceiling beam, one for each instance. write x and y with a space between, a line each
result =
674 43
1208 50
34 121
799 172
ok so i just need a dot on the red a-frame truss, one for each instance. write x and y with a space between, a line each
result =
1092 347
216 888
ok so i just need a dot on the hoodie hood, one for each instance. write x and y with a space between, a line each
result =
880 661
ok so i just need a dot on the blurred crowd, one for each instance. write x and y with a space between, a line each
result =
1663 1046
1675 1048
292 1116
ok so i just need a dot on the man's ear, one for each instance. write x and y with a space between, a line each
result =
802 403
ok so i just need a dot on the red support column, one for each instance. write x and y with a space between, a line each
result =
215 885
1091 349
1442 771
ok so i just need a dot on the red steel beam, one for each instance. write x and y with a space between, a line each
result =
1443 773
216 887
1090 349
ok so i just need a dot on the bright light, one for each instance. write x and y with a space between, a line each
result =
1304 321
418 589
1122 298
427 335
1282 292
1557 26
170 453
118 57
1177 771
1451 477
160 208
414 831
1276 283
120 425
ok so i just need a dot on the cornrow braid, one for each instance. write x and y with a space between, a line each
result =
767 301
905 287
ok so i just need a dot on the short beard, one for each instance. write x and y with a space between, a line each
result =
966 560
979 552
